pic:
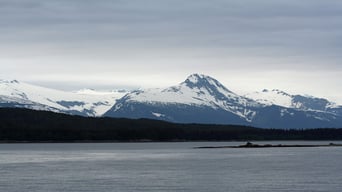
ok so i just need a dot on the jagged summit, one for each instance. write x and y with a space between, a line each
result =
204 81
195 78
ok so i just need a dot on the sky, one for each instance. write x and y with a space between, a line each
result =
247 45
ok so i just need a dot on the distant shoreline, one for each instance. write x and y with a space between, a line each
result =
252 145
191 141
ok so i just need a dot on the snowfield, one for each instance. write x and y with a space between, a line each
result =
87 102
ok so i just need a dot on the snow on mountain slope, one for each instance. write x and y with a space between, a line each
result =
84 103
272 97
199 99
196 90
202 99
281 98
23 103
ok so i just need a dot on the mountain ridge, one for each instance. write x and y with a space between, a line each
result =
197 99
79 103
201 98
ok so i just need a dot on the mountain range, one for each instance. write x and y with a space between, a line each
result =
199 99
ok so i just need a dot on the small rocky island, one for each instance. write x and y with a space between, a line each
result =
252 145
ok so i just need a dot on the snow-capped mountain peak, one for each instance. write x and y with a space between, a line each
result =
197 91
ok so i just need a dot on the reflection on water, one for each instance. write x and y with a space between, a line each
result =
167 167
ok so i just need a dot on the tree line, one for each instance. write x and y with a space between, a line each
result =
25 125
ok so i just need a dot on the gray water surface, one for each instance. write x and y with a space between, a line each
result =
167 167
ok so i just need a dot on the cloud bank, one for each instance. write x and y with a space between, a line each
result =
287 44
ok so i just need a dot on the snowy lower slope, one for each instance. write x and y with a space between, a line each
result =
85 102
23 103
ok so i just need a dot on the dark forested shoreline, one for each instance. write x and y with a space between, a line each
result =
24 125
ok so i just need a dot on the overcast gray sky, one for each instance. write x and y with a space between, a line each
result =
247 45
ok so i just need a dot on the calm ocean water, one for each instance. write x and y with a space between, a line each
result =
167 167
